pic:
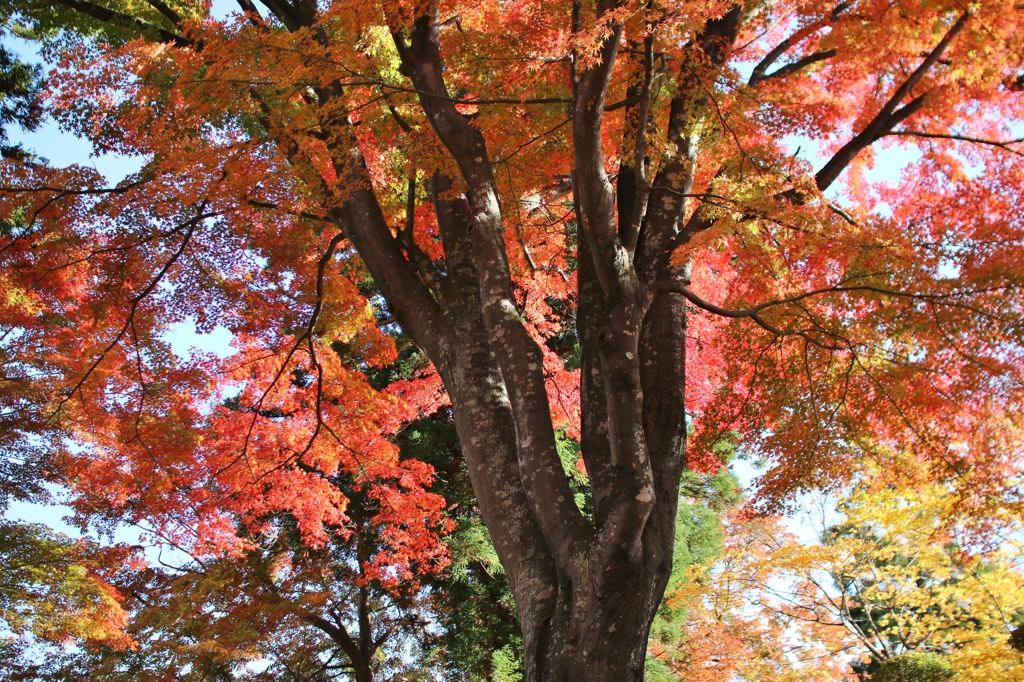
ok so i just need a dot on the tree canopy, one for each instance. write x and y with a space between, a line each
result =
618 232
900 586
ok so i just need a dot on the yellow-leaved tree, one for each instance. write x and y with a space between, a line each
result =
906 580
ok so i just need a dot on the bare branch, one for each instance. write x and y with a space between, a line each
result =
1005 145
759 71
750 313
799 64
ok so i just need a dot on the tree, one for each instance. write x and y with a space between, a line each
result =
906 582
512 175
20 86
54 592
914 667
733 631
280 612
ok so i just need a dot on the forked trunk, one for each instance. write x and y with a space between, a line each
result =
588 619
586 589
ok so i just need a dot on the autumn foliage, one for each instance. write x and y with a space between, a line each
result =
892 575
618 223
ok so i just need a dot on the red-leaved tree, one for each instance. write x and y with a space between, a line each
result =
588 215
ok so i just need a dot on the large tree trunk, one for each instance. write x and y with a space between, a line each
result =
586 590
601 636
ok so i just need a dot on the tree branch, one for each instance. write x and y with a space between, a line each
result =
662 226
889 116
643 185
285 13
799 64
301 214
517 353
169 13
1005 145
250 10
750 313
127 20
425 266
758 74
596 207
341 637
